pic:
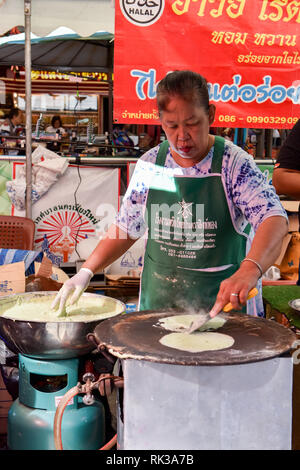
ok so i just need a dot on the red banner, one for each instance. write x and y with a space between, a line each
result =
248 50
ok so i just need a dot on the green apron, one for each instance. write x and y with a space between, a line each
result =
189 229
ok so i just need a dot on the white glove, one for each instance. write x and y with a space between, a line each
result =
76 286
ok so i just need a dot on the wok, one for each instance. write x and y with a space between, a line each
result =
49 340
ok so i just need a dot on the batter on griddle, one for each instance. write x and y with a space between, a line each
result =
197 341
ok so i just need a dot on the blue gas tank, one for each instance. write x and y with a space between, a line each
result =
31 417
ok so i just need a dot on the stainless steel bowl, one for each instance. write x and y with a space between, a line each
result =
49 340
295 304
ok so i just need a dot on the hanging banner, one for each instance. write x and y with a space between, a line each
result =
247 50
6 169
71 217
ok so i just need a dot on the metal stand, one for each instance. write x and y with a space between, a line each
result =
239 407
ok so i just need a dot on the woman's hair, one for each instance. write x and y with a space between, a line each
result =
184 83
56 118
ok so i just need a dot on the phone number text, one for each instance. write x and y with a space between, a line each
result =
227 118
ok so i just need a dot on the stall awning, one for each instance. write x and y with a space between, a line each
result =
63 50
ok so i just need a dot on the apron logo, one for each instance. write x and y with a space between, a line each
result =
184 209
142 12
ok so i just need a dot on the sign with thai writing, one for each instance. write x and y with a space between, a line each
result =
70 76
248 50
76 211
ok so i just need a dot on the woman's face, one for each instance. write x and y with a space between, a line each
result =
56 124
186 124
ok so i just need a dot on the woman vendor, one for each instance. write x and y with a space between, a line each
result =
213 225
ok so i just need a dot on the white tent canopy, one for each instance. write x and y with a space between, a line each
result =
62 32
85 17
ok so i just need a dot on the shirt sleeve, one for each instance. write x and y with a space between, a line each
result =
131 217
289 154
253 197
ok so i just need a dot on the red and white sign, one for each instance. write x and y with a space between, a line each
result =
248 50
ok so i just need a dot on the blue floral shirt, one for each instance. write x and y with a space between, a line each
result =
251 198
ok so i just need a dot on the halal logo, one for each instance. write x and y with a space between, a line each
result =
142 12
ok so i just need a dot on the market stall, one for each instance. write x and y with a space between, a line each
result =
90 17
229 375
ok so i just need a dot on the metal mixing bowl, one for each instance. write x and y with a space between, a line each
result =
49 340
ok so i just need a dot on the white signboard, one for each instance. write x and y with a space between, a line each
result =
76 210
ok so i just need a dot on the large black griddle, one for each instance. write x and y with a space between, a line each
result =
136 336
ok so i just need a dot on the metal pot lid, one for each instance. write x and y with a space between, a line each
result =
136 336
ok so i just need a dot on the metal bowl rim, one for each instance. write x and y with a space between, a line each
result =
290 302
10 298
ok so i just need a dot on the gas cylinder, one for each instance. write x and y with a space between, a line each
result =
31 417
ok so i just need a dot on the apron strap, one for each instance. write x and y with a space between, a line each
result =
219 145
162 153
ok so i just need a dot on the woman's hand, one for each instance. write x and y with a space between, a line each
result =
265 249
73 287
235 289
